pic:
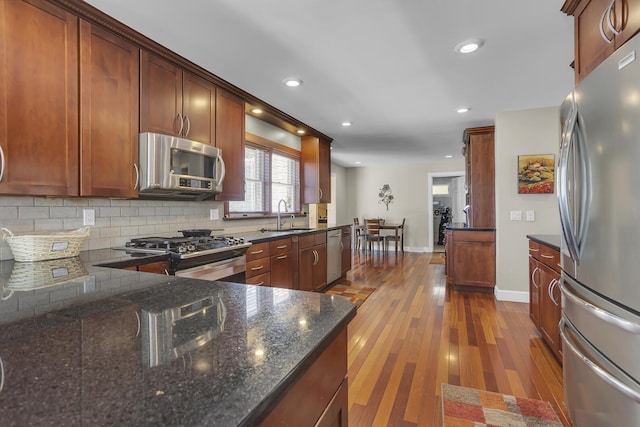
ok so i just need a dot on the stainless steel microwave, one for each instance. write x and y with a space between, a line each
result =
178 168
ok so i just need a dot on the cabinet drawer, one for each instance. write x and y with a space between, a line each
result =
474 236
305 241
260 280
280 246
545 255
346 232
257 251
257 267
320 238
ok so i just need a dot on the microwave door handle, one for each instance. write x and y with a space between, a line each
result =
224 169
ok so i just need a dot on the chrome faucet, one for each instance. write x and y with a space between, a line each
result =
279 227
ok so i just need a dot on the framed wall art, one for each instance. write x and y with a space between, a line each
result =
536 173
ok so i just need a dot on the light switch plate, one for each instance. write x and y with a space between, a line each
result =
531 215
516 215
88 217
214 214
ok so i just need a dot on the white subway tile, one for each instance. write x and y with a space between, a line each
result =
146 211
109 232
63 212
129 231
32 212
109 212
99 202
99 243
120 202
120 221
78 201
47 224
128 211
8 212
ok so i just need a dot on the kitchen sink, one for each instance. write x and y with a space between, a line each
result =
284 230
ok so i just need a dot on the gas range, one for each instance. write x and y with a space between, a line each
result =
185 247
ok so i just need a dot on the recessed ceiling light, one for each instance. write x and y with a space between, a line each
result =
448 156
468 46
256 111
346 124
463 110
300 131
292 82
357 163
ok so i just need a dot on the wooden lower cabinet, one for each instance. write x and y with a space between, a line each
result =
545 308
319 397
281 263
312 261
159 267
471 258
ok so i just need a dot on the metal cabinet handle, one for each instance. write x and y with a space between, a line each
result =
534 250
166 272
547 256
181 124
1 163
257 268
138 321
257 252
282 247
135 186
598 370
341 246
186 133
320 192
1 375
552 285
224 169
601 25
282 257
610 24
533 278
260 283
316 258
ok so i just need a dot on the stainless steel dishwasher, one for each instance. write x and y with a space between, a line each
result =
334 255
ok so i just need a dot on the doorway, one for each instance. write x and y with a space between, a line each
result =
445 190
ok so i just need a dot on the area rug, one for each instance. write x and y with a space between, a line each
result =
357 294
437 258
462 406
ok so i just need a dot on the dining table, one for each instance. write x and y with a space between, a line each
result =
398 230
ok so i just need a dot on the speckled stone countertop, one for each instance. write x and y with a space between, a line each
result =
551 240
87 345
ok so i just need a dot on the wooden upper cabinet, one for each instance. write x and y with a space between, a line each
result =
316 170
176 102
595 20
230 126
109 88
38 99
480 158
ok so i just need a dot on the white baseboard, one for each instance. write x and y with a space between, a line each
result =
512 296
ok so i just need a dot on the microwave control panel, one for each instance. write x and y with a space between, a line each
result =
195 183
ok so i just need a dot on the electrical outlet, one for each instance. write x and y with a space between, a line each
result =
531 216
214 214
516 215
88 217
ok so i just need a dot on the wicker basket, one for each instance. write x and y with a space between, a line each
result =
41 274
40 247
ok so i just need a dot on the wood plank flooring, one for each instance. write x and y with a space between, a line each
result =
413 334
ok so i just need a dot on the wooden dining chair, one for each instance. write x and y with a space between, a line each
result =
392 237
372 234
358 234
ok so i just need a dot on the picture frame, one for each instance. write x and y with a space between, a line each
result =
536 174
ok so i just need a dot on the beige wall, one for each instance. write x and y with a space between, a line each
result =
342 195
521 132
409 184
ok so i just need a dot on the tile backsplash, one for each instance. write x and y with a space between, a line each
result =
116 220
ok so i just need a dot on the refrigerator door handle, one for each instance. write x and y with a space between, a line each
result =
604 315
596 369
563 182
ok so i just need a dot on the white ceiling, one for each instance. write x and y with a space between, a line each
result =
388 66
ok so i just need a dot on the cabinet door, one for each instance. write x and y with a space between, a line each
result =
550 309
320 268
230 139
591 48
282 271
482 176
198 109
159 267
626 17
109 88
38 99
160 96
534 291
306 261
316 170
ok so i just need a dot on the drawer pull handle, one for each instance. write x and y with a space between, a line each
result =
260 283
257 268
282 247
257 252
534 250
547 256
282 257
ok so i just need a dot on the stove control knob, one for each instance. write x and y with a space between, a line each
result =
191 247
182 249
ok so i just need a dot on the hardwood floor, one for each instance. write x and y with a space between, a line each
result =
413 334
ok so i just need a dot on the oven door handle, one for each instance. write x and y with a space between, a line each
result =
216 270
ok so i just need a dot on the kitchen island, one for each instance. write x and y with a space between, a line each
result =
81 344
470 257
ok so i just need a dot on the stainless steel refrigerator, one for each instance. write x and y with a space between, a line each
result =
599 197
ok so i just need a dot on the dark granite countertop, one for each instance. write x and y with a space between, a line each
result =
86 345
551 240
261 236
462 226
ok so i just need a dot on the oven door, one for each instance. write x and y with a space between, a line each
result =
229 270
